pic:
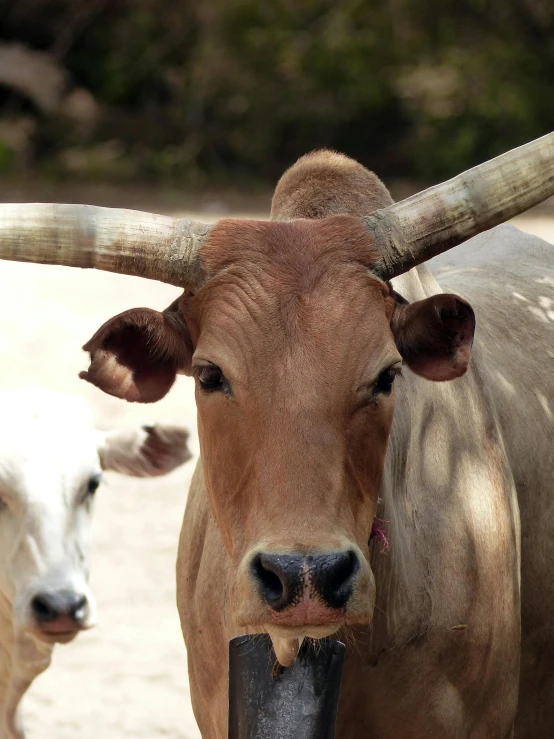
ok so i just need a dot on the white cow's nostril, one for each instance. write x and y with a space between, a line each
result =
43 608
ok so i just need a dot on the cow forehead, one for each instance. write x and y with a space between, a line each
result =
279 290
47 443
291 247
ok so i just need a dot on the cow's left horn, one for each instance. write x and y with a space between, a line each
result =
424 225
124 241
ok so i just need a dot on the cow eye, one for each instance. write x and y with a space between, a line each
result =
93 484
385 380
212 379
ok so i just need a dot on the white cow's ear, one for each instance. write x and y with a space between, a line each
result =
144 451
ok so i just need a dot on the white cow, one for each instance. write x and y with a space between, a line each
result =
51 463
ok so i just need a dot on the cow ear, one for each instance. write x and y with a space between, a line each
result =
137 354
435 335
145 451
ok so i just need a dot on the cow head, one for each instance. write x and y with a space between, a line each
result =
295 338
51 464
295 346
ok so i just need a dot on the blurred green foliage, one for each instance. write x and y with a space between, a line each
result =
6 158
240 88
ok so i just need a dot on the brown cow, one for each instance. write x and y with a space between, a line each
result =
308 434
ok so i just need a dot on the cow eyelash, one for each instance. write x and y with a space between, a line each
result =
212 379
384 383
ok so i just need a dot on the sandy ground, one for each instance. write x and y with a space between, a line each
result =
128 676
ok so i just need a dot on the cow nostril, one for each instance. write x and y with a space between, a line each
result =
341 573
272 586
43 609
332 576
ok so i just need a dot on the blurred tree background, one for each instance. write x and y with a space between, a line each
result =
235 90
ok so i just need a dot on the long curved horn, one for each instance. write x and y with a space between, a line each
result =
124 241
424 225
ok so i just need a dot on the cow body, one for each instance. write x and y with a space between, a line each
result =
442 655
311 442
51 460
509 276
453 561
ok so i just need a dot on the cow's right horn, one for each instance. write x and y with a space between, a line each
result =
418 228
125 241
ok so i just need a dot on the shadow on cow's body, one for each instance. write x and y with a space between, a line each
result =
306 437
509 277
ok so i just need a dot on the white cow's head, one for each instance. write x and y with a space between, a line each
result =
51 464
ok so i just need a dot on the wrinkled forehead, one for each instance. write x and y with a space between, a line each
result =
288 245
303 286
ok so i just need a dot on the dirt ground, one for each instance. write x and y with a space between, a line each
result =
127 677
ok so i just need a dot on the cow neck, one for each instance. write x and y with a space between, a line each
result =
442 440
402 605
22 658
6 647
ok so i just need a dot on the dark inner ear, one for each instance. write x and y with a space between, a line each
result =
435 335
137 354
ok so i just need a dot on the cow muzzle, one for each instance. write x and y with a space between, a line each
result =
292 595
313 593
58 616
298 587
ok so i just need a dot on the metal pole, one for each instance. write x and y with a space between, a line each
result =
267 701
